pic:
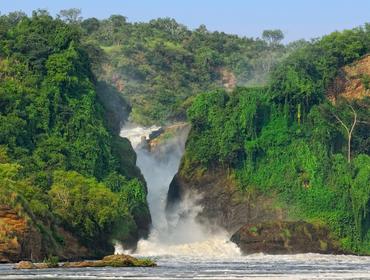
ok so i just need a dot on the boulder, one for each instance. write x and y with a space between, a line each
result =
25 265
285 237
113 261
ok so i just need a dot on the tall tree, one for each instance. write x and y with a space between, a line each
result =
273 37
348 128
71 15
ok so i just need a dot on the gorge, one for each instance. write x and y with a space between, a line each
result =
176 231
214 155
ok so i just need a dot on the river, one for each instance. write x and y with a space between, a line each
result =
302 266
185 249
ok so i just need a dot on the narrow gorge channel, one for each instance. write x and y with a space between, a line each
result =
178 232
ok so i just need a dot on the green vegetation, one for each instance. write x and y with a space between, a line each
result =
52 261
59 161
286 138
159 65
64 82
107 261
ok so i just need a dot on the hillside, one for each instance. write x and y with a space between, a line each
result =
352 82
160 65
266 157
279 144
69 185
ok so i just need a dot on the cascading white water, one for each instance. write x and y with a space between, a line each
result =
181 235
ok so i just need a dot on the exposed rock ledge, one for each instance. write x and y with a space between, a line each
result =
283 237
112 261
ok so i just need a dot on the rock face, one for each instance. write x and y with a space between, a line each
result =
283 237
21 239
159 139
350 81
223 204
255 222
116 108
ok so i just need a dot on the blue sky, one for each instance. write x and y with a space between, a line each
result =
297 18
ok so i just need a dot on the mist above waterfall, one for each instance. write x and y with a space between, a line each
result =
178 232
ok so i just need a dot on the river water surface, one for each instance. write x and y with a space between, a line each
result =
185 249
302 266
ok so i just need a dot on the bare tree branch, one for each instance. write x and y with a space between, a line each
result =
354 120
349 130
341 122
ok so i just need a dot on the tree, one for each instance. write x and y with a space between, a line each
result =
90 25
202 29
352 115
349 129
15 17
273 37
71 15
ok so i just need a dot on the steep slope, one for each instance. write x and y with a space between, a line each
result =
352 82
266 157
69 185
223 204
160 64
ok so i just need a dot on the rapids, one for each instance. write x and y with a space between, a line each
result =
184 249
176 233
257 266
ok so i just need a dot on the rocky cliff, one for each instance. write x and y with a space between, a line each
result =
24 239
352 81
257 220
223 205
282 237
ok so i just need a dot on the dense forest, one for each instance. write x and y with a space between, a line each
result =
160 65
296 139
61 162
268 114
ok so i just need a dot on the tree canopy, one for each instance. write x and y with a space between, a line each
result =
290 139
57 151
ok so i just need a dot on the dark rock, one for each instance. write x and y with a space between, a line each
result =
283 237
156 133
116 108
222 203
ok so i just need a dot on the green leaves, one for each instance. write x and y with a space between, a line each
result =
83 204
160 65
222 123
360 190
286 140
55 150
304 75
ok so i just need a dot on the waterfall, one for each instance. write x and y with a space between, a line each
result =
181 234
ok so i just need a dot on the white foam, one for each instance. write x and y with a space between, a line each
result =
213 247
135 133
179 233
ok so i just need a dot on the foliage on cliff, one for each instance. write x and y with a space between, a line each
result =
57 153
288 138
